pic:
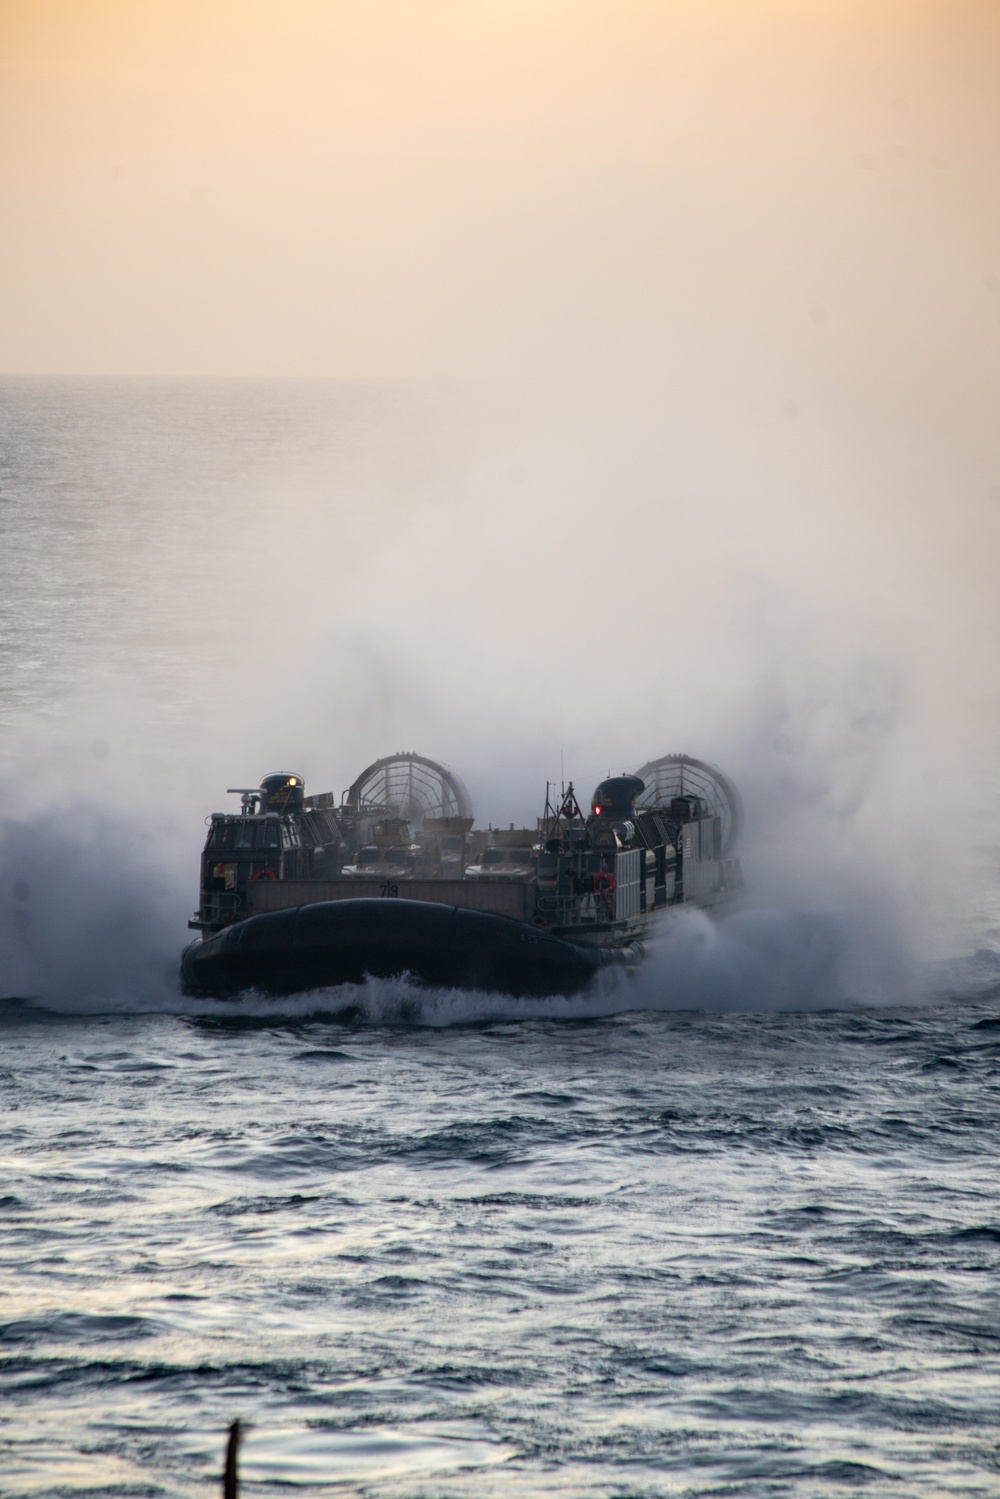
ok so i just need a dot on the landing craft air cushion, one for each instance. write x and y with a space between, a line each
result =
300 893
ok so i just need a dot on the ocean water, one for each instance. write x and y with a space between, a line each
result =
648 1253
732 1229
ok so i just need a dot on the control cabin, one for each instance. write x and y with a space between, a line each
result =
274 837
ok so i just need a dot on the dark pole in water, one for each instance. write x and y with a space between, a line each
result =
230 1480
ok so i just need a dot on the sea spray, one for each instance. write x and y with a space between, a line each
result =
90 914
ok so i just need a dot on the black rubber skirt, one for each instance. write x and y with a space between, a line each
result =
345 941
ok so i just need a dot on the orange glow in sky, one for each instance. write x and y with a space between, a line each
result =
382 187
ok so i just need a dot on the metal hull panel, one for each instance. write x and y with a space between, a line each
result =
328 943
502 898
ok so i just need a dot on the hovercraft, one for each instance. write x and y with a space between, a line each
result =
300 893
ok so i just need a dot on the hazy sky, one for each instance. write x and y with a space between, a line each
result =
387 187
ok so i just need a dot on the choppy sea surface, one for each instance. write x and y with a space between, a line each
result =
649 1253
732 1235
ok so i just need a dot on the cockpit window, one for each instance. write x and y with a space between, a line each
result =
493 856
244 832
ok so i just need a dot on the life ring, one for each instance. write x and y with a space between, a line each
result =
264 874
604 883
